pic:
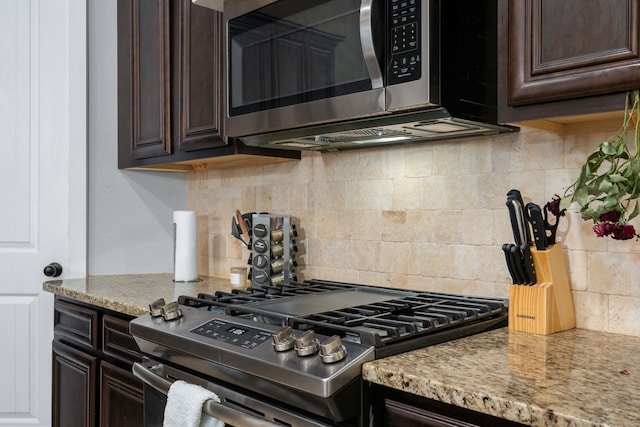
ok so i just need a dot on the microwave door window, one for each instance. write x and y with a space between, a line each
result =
293 51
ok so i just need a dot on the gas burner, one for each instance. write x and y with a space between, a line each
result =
376 316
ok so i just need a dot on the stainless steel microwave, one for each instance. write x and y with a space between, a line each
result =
340 74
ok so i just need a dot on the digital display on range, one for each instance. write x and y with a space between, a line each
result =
220 330
236 331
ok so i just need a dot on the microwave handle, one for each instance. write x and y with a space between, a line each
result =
209 408
368 46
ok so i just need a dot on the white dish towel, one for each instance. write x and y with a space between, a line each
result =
184 406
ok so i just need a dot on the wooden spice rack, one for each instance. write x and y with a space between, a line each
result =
547 306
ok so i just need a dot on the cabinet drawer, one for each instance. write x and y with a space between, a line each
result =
395 408
116 340
75 324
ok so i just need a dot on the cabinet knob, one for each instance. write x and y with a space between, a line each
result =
54 269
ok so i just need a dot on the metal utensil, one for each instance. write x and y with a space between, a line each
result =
240 225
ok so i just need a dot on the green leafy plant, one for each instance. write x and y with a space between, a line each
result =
608 186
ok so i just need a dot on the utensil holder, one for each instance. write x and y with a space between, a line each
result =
547 306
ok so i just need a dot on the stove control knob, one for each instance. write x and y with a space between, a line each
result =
171 311
332 350
283 339
155 308
306 344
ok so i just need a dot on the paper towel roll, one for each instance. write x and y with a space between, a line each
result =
185 257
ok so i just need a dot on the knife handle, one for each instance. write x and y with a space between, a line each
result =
518 263
552 228
517 196
507 255
537 223
513 217
529 267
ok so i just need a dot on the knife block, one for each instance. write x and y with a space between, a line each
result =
547 306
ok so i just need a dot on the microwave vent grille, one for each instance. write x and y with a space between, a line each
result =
357 135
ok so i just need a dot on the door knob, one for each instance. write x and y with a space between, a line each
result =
53 270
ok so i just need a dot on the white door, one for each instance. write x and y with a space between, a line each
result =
42 189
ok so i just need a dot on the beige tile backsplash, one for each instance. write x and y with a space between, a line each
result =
429 216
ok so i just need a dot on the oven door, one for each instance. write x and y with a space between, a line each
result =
235 409
292 63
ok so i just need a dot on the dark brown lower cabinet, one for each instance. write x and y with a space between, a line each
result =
395 408
92 357
121 399
74 387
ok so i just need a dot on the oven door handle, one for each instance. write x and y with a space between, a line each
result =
210 407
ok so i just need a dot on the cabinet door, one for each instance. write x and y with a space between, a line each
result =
170 79
170 89
197 76
121 398
74 387
571 48
144 128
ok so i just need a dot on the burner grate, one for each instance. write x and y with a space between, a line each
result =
402 316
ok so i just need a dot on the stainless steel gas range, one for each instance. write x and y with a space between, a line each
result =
292 355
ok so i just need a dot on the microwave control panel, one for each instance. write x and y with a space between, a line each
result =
404 41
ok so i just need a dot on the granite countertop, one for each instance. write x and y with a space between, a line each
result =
571 378
132 293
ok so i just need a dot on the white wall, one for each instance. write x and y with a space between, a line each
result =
130 212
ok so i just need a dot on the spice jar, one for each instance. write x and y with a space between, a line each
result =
277 265
238 277
277 250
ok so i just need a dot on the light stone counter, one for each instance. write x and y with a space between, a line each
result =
132 294
572 378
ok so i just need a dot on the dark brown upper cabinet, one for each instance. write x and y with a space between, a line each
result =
196 76
170 89
569 57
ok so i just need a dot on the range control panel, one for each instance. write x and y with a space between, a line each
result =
242 336
404 41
